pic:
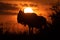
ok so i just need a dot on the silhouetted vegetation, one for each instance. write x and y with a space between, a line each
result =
55 18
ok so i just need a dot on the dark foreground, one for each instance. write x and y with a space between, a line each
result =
27 37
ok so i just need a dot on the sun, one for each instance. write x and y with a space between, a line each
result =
28 10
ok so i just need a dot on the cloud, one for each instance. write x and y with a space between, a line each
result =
7 13
6 6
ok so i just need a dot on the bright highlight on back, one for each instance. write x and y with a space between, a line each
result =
28 10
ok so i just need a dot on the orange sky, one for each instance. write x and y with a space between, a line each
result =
40 7
37 7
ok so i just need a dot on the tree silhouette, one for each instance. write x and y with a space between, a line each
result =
56 16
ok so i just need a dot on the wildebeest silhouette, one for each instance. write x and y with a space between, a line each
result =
31 19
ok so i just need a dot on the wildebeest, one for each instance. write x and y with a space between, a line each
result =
31 19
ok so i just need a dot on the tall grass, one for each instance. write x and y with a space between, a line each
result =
15 28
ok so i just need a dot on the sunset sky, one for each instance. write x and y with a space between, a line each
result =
12 7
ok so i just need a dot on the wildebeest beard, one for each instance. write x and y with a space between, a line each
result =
31 19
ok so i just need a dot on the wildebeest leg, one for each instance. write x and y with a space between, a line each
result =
30 30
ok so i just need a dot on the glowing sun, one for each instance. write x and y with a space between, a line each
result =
28 10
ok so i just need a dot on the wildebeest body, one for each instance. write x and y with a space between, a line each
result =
31 19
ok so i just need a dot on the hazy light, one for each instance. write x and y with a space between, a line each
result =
28 10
